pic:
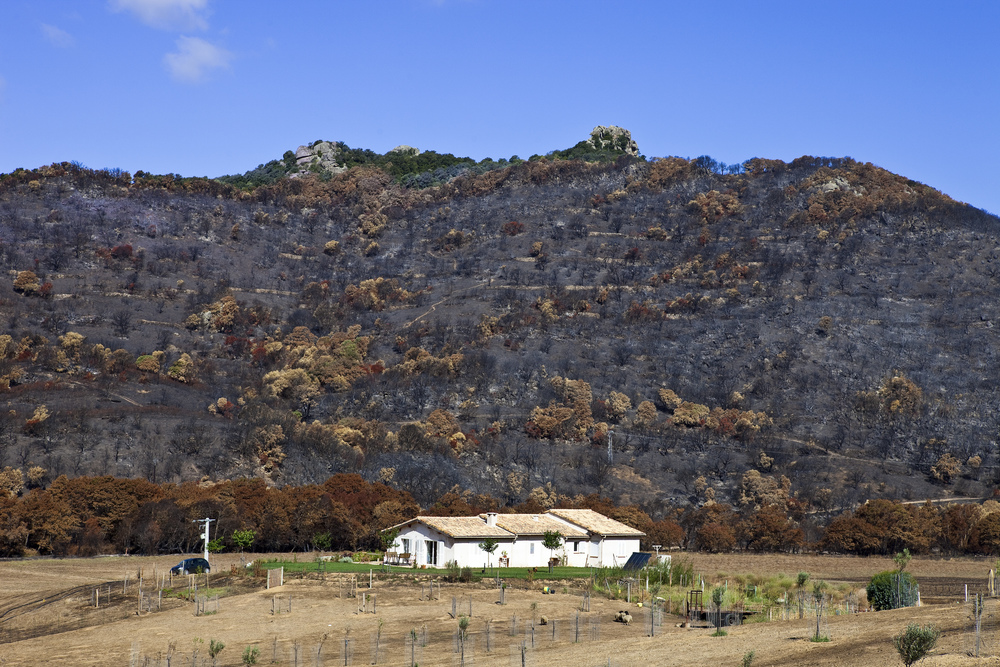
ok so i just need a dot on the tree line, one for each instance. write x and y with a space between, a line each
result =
87 516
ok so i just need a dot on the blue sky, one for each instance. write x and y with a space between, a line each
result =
210 87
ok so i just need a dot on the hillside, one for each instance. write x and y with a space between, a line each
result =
434 322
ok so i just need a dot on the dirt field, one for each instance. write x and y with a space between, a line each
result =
71 632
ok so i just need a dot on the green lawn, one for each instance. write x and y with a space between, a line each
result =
542 573
333 567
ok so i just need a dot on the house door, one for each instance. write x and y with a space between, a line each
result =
432 552
595 553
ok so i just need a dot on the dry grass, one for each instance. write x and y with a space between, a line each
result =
109 636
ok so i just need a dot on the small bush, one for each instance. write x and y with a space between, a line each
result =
892 590
26 282
215 648
915 642
250 655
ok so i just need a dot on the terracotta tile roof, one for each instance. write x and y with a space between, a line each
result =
595 522
537 524
509 526
461 526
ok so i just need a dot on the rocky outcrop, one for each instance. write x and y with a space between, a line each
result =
613 138
320 156
406 150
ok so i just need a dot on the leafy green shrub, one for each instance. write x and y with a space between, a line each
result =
215 648
915 642
250 655
892 590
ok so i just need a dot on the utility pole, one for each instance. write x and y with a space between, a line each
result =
204 535
611 454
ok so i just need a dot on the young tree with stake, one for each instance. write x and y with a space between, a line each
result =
552 540
489 545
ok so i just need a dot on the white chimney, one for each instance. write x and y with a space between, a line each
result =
491 518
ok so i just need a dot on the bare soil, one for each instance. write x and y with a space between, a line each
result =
47 615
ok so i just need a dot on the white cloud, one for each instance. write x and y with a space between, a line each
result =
57 36
166 14
194 59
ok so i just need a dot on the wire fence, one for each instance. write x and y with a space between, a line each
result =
485 641
524 639
981 632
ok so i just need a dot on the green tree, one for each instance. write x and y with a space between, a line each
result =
244 539
891 590
902 559
322 541
819 596
489 545
216 546
388 538
915 642
552 540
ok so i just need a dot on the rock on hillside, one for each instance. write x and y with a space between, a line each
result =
613 137
320 156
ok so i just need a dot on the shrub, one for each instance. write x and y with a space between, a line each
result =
182 370
26 282
892 590
215 648
123 251
915 642
150 362
512 228
250 655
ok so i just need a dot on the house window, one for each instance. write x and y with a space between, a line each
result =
432 552
576 546
531 548
406 545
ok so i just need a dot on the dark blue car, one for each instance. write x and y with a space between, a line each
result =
191 566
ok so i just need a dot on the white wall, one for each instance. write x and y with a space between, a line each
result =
468 554
465 552
526 551
418 534
575 551
616 550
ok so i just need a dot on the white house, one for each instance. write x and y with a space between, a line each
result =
433 541
529 531
608 543
590 539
